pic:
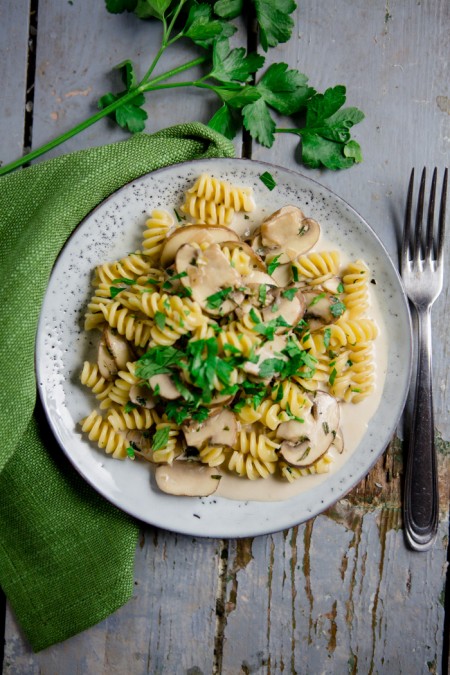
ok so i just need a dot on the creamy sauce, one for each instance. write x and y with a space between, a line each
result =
354 420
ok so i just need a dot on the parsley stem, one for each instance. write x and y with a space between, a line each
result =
148 86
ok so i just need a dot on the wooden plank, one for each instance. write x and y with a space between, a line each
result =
14 24
75 67
168 625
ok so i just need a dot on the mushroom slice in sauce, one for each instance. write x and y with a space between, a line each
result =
318 306
220 428
187 478
141 442
289 234
291 310
164 386
105 361
208 273
142 395
268 350
118 347
194 234
306 442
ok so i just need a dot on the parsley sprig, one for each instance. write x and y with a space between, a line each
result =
248 94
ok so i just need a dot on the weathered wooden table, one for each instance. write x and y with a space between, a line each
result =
341 593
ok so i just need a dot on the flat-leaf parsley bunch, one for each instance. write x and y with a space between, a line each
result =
247 92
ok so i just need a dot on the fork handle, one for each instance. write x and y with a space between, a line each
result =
421 502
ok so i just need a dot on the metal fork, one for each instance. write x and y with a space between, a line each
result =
422 270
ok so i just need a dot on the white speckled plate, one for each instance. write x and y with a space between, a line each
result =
114 229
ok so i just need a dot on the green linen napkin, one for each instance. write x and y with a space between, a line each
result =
66 554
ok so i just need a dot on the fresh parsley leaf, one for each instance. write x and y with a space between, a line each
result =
284 90
332 377
202 29
289 293
130 452
270 367
259 123
268 329
215 300
160 320
236 96
294 271
340 288
124 280
129 115
326 337
128 75
224 122
275 24
129 406
145 9
160 438
272 266
337 307
158 360
228 9
317 299
233 64
327 131
262 294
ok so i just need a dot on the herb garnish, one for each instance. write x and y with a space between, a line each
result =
268 181
160 438
272 266
244 99
215 300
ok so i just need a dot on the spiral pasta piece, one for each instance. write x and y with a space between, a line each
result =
245 342
292 473
292 398
355 280
157 227
101 431
134 329
238 259
315 268
131 267
222 192
120 392
91 377
254 456
213 455
351 332
206 212
136 418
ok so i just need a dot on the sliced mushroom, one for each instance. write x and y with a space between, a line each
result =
187 478
289 234
141 395
291 310
257 277
318 306
282 275
305 443
266 351
338 442
208 273
256 262
141 442
118 347
333 285
164 386
194 234
220 428
105 360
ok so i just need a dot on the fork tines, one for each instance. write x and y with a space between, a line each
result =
422 245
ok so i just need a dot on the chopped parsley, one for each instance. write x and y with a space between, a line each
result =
215 300
317 299
289 293
268 181
272 266
160 320
337 308
161 438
